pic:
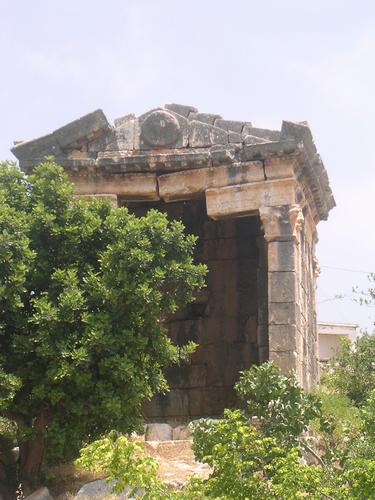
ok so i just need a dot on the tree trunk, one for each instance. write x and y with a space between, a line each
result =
31 455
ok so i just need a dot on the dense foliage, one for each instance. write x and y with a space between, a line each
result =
258 461
283 408
84 290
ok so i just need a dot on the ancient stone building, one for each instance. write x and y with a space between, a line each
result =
253 196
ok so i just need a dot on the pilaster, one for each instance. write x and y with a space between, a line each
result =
282 226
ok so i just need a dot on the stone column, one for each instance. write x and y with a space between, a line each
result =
282 226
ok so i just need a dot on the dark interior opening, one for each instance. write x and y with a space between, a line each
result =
228 319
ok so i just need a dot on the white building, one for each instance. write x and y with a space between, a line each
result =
329 335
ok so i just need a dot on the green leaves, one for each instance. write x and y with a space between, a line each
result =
84 290
352 371
125 463
283 408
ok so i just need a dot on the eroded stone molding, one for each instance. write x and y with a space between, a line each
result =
281 223
178 137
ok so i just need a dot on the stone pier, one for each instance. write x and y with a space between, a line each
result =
253 197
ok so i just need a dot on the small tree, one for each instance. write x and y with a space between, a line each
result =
84 290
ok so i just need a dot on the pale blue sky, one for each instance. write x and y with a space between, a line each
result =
259 61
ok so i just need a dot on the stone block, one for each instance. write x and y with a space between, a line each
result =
230 125
301 132
252 139
282 338
189 183
85 127
173 404
187 376
215 400
282 286
181 432
261 151
203 135
37 149
40 494
181 109
245 199
282 256
286 360
121 138
186 330
269 135
234 138
131 187
283 313
204 117
196 403
221 155
101 488
158 432
119 122
125 136
277 168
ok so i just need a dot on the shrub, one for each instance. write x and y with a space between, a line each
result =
283 408
352 371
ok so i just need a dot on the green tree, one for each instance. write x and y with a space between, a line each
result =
84 291
352 371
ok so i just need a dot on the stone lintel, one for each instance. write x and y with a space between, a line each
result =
246 199
189 183
132 187
279 168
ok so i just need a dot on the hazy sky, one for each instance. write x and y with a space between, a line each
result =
262 61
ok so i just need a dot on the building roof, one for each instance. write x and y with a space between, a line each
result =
177 137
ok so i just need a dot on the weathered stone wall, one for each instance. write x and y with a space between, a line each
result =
224 319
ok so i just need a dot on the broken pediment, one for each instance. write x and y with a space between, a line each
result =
177 138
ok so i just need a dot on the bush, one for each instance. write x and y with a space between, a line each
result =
283 408
352 371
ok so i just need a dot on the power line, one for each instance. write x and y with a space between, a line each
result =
348 270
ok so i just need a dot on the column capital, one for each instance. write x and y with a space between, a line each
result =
281 223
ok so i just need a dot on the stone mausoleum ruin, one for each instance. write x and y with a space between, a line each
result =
253 196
